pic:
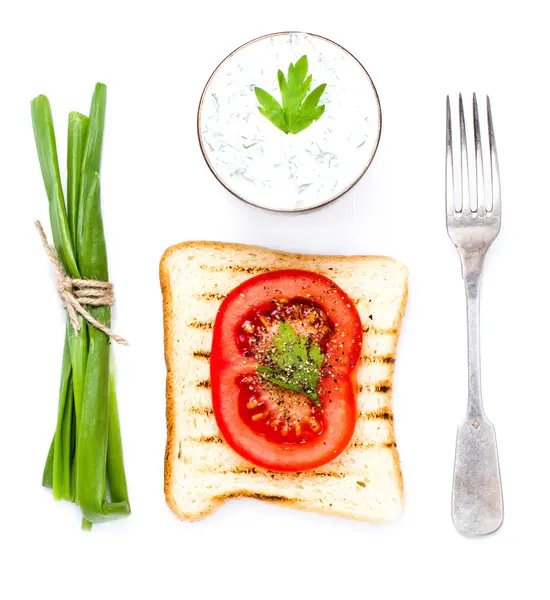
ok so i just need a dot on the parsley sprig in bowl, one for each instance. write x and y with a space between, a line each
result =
299 109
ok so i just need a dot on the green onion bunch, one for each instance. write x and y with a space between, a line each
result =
84 464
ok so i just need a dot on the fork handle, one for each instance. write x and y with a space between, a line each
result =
477 491
475 406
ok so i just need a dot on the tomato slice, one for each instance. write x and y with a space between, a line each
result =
269 424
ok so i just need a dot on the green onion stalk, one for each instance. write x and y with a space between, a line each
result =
84 464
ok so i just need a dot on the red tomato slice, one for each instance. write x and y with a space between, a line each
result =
268 425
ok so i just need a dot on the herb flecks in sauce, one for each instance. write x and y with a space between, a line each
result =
298 110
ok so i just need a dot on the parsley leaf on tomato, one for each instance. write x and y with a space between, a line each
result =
295 363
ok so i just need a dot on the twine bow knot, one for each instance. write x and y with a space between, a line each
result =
77 293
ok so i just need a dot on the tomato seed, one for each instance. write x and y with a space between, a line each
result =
252 404
258 416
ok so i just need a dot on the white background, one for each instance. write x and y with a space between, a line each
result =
155 58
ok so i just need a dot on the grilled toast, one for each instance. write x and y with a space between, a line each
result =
201 470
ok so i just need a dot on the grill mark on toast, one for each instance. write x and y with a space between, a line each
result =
217 439
273 474
383 387
386 359
204 383
377 331
240 471
256 496
383 414
204 325
236 269
267 497
335 474
204 439
255 471
210 296
364 446
203 354
204 411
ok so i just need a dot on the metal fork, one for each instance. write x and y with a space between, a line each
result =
477 506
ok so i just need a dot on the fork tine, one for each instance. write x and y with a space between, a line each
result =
480 179
449 174
464 188
495 173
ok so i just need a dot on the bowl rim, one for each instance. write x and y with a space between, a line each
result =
292 210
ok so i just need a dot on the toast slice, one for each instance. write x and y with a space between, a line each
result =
201 470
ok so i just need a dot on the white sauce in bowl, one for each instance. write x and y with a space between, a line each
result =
266 167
